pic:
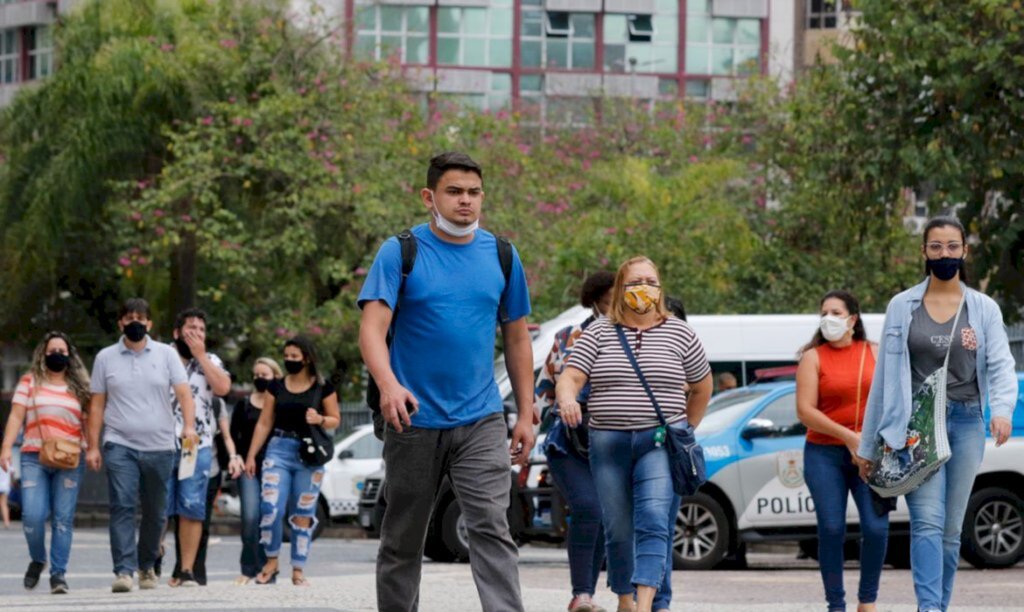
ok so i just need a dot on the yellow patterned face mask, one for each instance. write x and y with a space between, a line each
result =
642 298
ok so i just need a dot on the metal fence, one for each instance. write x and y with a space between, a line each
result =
354 414
1016 333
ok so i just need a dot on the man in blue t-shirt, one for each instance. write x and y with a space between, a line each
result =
438 397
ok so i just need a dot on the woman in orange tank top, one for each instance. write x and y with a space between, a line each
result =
832 384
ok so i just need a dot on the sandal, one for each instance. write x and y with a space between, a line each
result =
242 580
271 580
300 581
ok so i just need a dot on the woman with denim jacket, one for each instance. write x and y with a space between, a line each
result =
289 410
917 331
628 460
832 384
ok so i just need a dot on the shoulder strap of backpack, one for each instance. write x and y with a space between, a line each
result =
407 241
505 259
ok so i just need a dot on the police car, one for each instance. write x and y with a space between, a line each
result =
753 443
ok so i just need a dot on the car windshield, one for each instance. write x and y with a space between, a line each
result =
724 409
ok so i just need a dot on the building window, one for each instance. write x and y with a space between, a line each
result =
643 43
497 97
40 52
475 36
721 45
383 31
558 40
9 56
824 14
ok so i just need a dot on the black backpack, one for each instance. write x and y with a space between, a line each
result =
408 245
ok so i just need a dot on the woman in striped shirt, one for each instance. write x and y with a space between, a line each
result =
629 462
50 401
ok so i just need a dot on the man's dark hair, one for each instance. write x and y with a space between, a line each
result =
595 286
675 306
189 313
450 160
134 305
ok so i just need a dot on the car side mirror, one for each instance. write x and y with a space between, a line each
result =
345 454
758 428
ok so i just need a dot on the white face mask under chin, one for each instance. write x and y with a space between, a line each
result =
833 328
446 226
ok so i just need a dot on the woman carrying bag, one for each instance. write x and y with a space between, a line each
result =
636 396
50 400
295 412
944 352
832 384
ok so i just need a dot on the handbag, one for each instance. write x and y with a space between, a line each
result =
316 447
901 471
57 453
685 455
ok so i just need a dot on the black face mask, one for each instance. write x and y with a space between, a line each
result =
135 331
57 362
261 384
944 268
293 366
183 349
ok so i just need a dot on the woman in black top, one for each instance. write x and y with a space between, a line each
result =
301 400
243 423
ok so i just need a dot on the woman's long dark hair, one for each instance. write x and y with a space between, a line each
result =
852 307
935 222
76 376
308 349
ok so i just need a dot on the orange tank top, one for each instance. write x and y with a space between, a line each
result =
837 387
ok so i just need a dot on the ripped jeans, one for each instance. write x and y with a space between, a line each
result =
48 492
288 485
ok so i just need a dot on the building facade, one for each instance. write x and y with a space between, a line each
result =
26 42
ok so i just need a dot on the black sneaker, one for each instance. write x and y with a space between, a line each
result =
187 579
32 574
58 586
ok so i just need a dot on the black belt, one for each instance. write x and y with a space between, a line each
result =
287 434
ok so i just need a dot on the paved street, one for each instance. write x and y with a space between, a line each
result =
342 576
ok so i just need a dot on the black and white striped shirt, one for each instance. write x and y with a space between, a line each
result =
669 355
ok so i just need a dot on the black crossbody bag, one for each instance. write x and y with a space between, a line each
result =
316 446
685 456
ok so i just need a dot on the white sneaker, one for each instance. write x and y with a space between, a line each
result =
122 584
148 579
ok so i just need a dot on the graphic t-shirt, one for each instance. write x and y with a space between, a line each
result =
928 342
444 330
202 396
51 412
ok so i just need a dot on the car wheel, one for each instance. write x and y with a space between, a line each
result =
993 535
454 532
322 519
701 538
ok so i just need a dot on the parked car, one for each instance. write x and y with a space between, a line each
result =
754 442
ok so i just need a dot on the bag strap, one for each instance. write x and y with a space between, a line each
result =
505 259
33 403
952 333
639 373
860 384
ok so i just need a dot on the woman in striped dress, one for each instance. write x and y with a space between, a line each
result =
50 400
627 456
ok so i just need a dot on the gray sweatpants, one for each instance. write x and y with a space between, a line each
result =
476 459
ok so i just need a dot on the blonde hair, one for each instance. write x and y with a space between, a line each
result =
76 376
617 310
270 363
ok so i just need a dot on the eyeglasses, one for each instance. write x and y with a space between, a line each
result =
936 248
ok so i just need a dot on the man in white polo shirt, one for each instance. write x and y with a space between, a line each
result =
131 404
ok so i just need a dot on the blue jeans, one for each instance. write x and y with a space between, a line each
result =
48 492
634 485
831 476
187 498
135 476
286 477
252 558
938 506
585 544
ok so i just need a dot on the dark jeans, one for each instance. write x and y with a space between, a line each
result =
475 458
135 476
199 567
832 477
253 558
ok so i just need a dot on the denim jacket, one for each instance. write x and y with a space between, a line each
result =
889 402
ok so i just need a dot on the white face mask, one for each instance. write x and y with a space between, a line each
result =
446 226
833 328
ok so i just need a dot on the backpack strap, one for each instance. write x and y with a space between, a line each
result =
408 243
505 259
